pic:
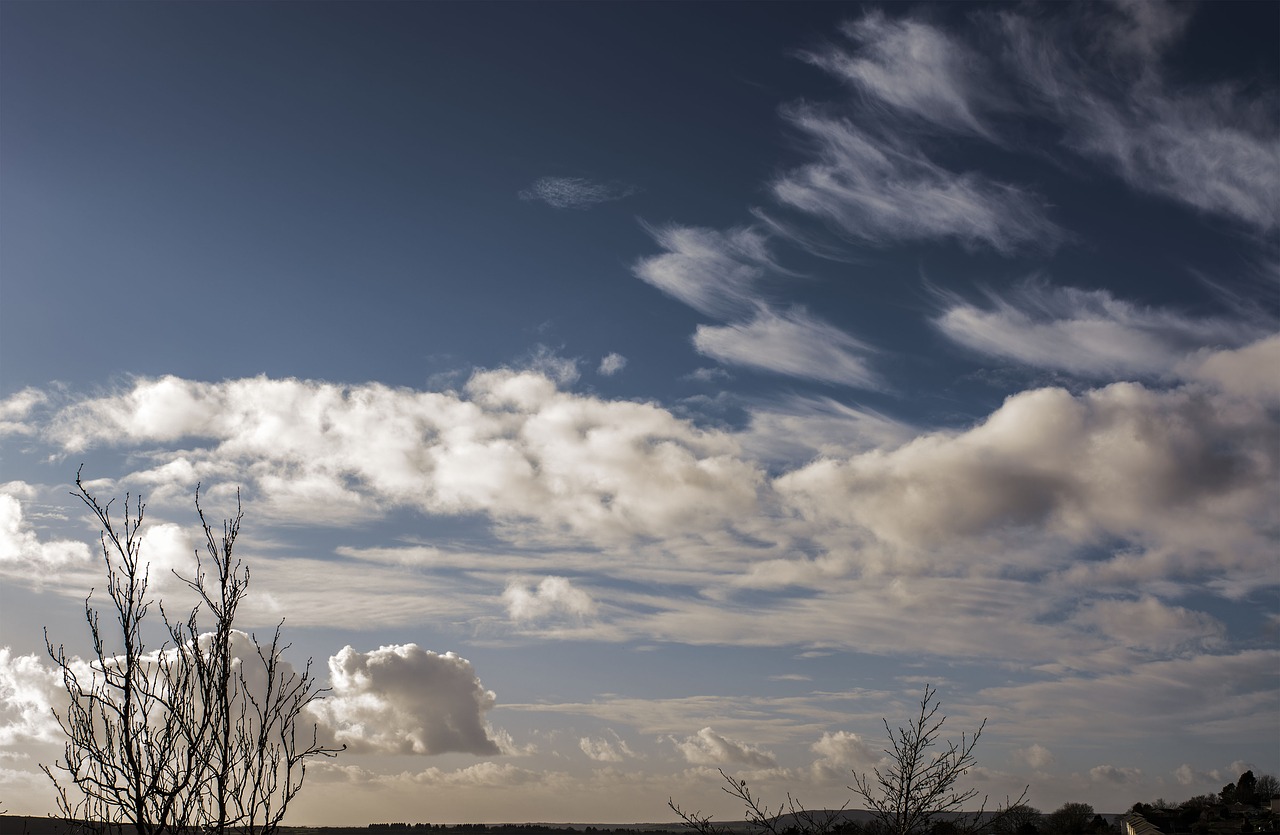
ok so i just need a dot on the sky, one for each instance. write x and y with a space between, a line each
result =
622 392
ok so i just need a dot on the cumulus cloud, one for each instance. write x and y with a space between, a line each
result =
1191 478
710 748
575 192
840 752
29 690
611 364
1086 332
512 445
401 699
1188 776
606 750
1035 755
21 548
793 343
551 597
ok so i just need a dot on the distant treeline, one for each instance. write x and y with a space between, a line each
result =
521 828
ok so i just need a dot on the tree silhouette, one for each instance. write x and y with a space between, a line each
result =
185 735
917 787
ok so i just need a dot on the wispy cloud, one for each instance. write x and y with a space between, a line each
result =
716 273
793 342
575 192
912 66
611 364
881 190
1088 332
1212 148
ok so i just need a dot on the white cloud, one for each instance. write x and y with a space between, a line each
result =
552 596
716 273
1191 478
604 750
1085 331
793 343
1188 776
16 409
29 689
1248 372
1147 623
1212 148
1035 755
840 753
710 748
883 191
611 364
20 547
913 66
406 700
512 445
575 192
1114 774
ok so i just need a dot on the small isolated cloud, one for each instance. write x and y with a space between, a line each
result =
575 192
840 752
710 748
551 597
713 272
612 364
1037 756
1114 774
1188 776
406 700
604 750
794 343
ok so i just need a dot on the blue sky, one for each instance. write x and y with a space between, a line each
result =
706 378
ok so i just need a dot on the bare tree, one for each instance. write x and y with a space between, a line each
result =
197 733
788 816
919 784
130 756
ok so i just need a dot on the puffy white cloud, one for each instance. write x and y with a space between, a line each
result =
611 364
405 700
605 750
574 192
513 446
716 273
29 689
710 748
793 342
1188 776
1190 477
552 596
1035 755
21 548
1085 331
1248 372
841 752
